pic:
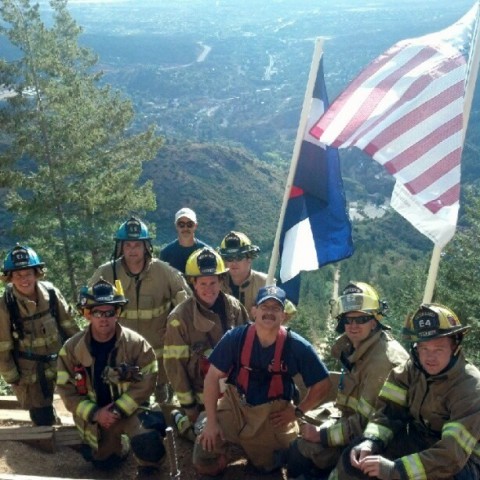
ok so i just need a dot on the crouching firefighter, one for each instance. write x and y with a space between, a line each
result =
35 319
257 410
106 375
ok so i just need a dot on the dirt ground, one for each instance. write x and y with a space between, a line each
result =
22 459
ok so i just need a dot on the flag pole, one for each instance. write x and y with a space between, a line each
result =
472 73
317 55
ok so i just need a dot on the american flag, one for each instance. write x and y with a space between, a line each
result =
406 110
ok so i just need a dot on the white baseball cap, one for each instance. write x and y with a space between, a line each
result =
187 213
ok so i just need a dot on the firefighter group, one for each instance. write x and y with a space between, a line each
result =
197 340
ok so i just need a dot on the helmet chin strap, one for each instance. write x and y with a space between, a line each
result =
451 363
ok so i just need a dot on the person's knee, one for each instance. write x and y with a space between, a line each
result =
148 447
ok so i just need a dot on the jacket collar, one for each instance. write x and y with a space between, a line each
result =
82 348
203 318
343 347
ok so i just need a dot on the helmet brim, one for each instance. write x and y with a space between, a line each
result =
414 337
26 267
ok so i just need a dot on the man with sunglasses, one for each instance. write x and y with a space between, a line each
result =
176 253
241 281
106 375
367 353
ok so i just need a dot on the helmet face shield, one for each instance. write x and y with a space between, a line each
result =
357 297
357 303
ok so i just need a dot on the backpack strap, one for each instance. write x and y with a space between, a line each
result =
16 324
53 308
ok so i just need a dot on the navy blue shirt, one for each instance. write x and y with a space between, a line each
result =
299 357
177 255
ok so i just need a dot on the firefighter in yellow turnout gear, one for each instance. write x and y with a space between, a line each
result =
241 281
367 353
153 289
193 330
427 425
34 321
106 375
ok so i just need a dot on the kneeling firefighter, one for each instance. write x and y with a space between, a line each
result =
106 375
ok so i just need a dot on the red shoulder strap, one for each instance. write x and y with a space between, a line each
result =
275 389
244 372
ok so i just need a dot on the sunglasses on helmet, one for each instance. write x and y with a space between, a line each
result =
188 224
103 313
357 320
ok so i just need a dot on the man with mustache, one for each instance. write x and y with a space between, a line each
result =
176 253
257 410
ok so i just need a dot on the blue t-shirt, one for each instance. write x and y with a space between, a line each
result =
298 354
177 255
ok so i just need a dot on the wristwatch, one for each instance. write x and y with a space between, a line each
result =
299 413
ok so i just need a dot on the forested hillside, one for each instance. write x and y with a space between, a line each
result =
189 104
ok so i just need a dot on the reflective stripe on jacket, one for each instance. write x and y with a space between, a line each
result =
443 409
369 366
192 332
151 297
41 335
131 349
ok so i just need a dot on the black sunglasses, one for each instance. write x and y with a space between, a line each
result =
357 320
189 224
234 258
103 313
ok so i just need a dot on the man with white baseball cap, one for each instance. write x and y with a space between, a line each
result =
177 252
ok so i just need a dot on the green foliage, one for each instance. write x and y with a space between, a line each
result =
459 273
228 187
313 310
71 166
5 388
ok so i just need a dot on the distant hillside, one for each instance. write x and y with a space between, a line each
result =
228 187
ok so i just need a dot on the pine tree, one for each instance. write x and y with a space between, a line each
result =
72 161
